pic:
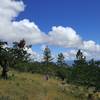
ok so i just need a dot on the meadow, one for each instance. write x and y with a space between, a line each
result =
27 86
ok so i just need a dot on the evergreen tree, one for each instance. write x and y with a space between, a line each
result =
60 59
47 55
84 73
92 62
18 53
79 68
80 56
80 59
20 44
4 59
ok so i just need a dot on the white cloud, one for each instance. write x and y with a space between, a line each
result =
70 55
30 51
29 31
43 47
64 36
67 37
11 30
10 9
91 46
33 54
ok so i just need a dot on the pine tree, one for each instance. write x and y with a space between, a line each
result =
4 59
18 53
60 59
47 55
79 55
80 69
20 44
80 58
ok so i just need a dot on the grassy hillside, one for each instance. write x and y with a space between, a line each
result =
26 86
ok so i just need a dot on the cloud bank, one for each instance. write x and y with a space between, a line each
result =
66 37
11 30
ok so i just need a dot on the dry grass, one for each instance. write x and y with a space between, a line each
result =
26 86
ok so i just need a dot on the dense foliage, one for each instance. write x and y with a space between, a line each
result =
85 73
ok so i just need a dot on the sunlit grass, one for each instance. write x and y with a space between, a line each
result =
27 86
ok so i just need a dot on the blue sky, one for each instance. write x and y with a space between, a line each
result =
64 25
82 15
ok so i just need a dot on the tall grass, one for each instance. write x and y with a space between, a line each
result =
27 86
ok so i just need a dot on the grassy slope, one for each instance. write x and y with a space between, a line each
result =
26 86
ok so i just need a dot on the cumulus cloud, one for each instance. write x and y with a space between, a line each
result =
64 36
29 31
10 9
11 30
71 55
67 37
91 46
33 54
